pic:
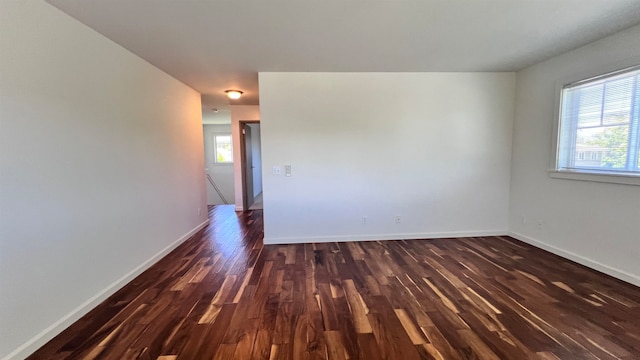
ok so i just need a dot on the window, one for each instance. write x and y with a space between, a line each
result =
601 117
222 150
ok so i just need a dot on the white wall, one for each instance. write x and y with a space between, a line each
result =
434 148
101 164
256 156
222 174
593 223
240 113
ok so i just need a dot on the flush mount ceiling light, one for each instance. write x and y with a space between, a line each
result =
233 94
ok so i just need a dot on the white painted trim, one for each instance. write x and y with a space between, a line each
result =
626 179
375 237
54 329
616 273
240 113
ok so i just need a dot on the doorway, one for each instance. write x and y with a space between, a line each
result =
251 159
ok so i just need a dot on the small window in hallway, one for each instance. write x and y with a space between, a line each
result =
223 152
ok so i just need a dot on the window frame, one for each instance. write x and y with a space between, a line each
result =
215 148
596 175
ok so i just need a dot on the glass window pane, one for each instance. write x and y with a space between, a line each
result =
223 149
609 143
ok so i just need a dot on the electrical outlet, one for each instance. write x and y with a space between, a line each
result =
539 225
277 170
287 170
398 219
364 220
199 211
524 219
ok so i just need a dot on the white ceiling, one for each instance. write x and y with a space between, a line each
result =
217 45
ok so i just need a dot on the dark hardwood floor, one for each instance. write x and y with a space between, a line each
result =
223 295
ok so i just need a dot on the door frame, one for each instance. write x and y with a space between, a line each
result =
243 161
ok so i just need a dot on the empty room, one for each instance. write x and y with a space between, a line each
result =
367 179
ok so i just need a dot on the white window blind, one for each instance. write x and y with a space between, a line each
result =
601 117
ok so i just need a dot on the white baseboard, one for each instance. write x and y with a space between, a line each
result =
54 329
616 273
375 237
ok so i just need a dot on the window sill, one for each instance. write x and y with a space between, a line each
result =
626 179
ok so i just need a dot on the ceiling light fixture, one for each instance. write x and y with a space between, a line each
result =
233 94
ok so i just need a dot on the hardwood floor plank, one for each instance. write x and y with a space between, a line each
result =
335 347
225 352
409 327
224 295
369 349
392 341
359 309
